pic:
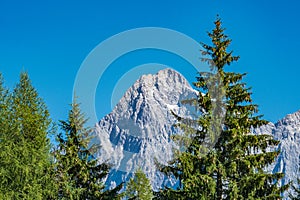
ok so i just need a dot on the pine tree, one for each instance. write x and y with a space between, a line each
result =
222 159
78 174
25 160
139 187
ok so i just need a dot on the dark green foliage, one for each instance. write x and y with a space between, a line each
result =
79 175
25 163
169 193
222 160
296 190
139 187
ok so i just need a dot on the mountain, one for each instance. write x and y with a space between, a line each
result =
287 131
138 129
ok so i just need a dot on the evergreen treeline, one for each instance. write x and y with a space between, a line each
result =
219 158
29 168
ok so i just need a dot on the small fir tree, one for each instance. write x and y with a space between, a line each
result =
139 187
79 175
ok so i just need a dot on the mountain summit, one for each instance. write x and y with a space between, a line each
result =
138 129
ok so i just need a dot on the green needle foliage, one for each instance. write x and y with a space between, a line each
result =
222 159
139 187
79 175
25 162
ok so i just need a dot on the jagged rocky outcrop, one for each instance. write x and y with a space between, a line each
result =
138 130
287 131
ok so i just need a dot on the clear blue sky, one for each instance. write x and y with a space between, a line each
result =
50 40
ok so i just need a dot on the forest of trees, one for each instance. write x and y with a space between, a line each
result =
220 158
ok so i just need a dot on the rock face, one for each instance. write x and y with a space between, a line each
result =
287 131
138 130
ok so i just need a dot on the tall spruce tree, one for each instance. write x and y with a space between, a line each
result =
139 187
222 159
79 175
25 161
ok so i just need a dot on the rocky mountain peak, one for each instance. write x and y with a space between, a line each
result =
139 127
290 119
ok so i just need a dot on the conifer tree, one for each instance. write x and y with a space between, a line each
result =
222 159
79 175
25 160
139 187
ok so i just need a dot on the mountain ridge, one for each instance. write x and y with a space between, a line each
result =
139 128
287 131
